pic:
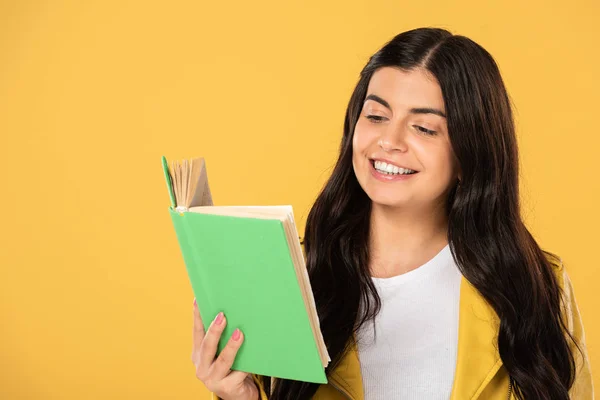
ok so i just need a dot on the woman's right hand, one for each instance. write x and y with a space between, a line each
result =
216 374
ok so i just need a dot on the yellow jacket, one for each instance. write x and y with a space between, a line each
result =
479 371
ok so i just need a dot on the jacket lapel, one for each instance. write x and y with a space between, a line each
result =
346 377
477 359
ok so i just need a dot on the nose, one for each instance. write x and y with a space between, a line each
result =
393 139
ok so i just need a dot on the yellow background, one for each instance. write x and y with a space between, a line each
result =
95 301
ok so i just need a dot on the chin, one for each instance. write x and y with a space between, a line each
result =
388 199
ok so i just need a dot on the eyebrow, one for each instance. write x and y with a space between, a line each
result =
420 110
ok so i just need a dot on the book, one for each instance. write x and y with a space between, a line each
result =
247 261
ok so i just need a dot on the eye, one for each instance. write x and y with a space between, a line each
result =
426 131
376 119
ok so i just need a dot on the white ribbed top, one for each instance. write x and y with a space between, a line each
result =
413 355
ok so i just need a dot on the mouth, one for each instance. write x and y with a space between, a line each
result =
388 169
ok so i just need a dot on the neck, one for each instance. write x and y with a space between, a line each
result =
402 239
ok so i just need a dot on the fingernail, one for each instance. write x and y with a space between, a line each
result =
236 334
219 318
194 301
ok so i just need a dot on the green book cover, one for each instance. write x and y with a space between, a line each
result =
165 167
243 267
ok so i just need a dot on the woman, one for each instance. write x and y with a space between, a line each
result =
419 225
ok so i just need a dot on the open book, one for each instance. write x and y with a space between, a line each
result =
247 261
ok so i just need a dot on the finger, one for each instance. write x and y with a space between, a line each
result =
208 347
221 367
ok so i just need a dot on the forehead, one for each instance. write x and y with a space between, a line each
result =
406 89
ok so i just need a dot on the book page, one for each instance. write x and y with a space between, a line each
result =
190 183
305 288
264 212
174 170
185 175
200 195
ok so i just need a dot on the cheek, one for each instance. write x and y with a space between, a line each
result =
357 145
360 141
360 148
443 164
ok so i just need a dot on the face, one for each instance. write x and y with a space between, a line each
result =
402 127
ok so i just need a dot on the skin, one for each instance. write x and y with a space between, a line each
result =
216 374
408 220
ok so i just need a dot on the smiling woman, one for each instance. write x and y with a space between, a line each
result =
427 283
450 239
404 110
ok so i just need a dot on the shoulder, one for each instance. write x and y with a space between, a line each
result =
559 269
568 303
555 260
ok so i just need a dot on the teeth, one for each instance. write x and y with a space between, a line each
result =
391 169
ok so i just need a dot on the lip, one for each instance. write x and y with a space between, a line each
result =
371 160
388 178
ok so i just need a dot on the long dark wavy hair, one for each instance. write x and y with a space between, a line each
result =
492 247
